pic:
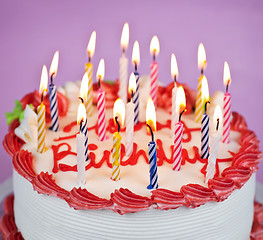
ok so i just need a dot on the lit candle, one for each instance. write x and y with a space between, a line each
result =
101 103
178 133
174 73
154 50
151 124
89 70
81 147
130 117
136 98
53 93
123 70
84 126
205 121
118 116
210 170
227 105
41 113
83 92
201 65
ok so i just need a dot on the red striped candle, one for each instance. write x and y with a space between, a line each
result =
226 105
154 84
101 115
177 151
154 50
226 117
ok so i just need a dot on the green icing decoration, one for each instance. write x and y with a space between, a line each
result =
18 113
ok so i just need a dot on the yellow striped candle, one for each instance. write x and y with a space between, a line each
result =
118 115
41 113
89 71
88 104
116 153
201 65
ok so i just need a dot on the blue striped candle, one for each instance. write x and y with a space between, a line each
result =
84 130
153 166
136 99
204 136
53 107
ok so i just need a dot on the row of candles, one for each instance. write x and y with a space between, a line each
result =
132 109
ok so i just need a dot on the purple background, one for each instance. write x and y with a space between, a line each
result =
31 31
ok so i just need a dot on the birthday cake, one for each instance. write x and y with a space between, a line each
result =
50 202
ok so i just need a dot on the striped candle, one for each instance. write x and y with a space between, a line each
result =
226 117
199 103
53 107
88 104
123 74
84 131
177 150
81 139
210 170
205 136
153 166
116 153
41 128
136 99
154 83
101 115
129 128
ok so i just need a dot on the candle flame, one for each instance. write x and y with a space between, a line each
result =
43 81
180 100
81 116
217 115
174 67
132 83
84 87
136 53
119 111
151 115
227 77
101 70
125 36
205 90
201 56
54 65
155 46
92 44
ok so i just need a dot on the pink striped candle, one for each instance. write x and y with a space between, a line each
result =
101 115
154 50
226 106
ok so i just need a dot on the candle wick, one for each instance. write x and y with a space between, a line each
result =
89 57
217 124
154 56
123 51
202 71
99 81
135 66
51 77
116 119
180 116
175 78
81 99
206 105
132 95
151 132
42 96
227 85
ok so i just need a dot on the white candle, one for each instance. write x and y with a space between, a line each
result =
130 118
210 170
123 70
81 158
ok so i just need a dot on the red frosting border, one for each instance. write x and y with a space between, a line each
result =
244 163
10 232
